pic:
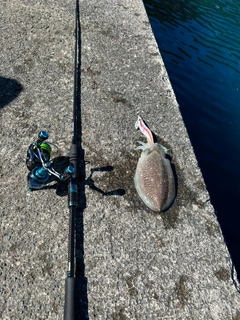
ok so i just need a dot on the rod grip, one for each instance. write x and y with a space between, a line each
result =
69 308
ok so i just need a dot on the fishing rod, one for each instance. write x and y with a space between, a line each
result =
69 308
42 172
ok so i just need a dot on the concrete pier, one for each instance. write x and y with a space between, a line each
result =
131 263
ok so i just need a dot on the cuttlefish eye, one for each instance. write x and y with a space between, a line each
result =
147 151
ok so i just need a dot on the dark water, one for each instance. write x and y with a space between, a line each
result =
200 44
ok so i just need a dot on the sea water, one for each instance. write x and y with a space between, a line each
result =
200 45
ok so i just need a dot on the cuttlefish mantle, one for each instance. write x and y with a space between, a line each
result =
154 179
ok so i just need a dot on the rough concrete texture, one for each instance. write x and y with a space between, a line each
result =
138 265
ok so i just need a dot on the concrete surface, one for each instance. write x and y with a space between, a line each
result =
136 264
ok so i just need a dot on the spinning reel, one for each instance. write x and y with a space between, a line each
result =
41 167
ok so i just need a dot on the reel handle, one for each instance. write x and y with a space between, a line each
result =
68 172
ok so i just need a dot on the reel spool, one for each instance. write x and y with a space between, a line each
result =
40 166
38 150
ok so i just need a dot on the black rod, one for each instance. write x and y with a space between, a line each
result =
69 308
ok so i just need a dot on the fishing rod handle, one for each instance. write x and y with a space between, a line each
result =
69 308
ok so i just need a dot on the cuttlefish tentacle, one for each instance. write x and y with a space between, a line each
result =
142 147
154 179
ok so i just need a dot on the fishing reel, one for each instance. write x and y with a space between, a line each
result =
41 167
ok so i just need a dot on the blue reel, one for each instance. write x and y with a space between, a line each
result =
41 168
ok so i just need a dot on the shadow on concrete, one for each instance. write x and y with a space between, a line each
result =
60 163
9 90
90 182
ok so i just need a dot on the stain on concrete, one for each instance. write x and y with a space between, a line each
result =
222 274
47 264
42 246
118 97
119 314
181 291
20 114
13 248
237 315
90 72
212 228
170 218
28 103
92 264
132 291
123 6
159 241
32 275
65 66
150 286
25 67
107 32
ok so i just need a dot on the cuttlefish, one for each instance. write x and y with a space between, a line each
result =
154 179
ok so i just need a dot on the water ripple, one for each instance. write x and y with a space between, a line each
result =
212 25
